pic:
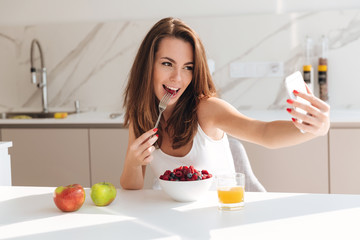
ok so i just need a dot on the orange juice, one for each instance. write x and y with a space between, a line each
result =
228 195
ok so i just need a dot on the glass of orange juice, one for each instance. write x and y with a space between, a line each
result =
231 189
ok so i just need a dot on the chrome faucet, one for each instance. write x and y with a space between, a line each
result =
42 83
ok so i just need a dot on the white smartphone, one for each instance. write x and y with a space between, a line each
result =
296 82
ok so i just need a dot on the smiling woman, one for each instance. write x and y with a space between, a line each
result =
173 68
194 126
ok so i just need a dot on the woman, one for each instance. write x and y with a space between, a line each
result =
193 129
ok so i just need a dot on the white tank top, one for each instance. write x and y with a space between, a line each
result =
206 153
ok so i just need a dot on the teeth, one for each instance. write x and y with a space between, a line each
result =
171 88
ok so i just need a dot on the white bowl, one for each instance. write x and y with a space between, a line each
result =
186 191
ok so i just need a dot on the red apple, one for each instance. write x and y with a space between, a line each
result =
69 198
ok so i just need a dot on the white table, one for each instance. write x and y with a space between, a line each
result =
29 213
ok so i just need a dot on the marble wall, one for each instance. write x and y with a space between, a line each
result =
90 61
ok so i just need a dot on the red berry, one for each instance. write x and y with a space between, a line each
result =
204 172
194 177
185 173
179 173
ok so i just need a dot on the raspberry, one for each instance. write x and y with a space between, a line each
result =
204 172
185 173
179 173
194 177
205 176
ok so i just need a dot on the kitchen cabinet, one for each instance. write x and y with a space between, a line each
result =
300 168
54 156
107 152
48 157
344 160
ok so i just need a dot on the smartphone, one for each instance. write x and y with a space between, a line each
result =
296 82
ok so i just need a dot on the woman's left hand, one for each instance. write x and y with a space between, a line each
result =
317 119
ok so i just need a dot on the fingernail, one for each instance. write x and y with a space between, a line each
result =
157 135
296 92
289 110
155 129
289 101
293 119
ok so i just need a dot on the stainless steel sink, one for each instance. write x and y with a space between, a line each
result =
29 115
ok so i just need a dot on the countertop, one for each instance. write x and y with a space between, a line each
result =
338 118
30 213
84 119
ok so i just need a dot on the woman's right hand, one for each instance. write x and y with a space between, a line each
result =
140 150
138 155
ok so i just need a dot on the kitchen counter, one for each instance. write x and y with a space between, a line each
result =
85 119
30 213
339 119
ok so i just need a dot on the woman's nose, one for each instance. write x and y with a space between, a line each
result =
176 75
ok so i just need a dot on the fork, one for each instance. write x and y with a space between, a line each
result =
162 106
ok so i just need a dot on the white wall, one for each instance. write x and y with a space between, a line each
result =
29 12
89 47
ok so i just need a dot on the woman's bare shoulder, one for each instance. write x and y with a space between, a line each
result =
213 106
207 112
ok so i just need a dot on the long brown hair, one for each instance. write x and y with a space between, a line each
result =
139 99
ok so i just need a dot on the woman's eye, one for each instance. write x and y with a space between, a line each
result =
166 64
189 68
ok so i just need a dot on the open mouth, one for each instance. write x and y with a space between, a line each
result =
171 90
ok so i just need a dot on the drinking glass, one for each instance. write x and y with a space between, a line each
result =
231 189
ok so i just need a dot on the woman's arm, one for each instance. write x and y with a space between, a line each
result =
138 155
216 115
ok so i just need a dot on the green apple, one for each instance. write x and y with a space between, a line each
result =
103 193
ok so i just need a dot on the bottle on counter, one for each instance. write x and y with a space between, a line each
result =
308 72
322 70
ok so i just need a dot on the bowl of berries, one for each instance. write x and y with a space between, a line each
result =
185 184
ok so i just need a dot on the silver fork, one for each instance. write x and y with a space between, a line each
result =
162 106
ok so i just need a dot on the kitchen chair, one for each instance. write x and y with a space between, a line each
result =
242 164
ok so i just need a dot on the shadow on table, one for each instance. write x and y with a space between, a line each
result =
27 208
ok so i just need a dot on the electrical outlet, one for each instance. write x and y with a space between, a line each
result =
211 64
256 69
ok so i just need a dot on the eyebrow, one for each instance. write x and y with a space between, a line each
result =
173 61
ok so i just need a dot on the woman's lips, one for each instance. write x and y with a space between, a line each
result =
171 90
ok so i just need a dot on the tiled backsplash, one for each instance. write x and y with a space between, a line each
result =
90 62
